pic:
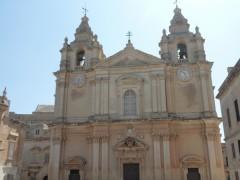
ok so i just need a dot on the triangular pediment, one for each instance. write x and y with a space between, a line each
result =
132 62
130 57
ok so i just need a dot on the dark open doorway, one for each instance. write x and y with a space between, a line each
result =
131 171
193 174
74 174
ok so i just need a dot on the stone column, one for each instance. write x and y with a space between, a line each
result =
55 153
95 158
104 158
157 157
166 157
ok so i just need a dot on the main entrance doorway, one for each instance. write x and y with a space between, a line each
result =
193 174
131 171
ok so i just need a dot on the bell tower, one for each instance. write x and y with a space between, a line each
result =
181 45
84 52
88 51
77 57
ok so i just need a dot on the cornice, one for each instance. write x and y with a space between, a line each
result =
228 81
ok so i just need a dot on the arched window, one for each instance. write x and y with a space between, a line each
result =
80 58
130 104
182 51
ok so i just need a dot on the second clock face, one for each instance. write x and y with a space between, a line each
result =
183 74
79 80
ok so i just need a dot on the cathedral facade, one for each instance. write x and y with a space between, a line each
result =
132 116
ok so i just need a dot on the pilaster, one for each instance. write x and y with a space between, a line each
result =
105 168
204 91
216 172
157 157
55 153
95 155
98 97
166 157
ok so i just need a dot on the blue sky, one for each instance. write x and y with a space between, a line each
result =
32 34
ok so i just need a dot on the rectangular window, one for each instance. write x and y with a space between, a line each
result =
1 145
227 161
236 175
233 151
237 110
11 148
229 118
37 132
239 146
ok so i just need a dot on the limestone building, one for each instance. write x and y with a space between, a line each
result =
229 97
225 161
131 116
35 150
10 142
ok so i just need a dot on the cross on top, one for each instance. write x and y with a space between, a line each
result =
5 92
85 10
129 34
176 2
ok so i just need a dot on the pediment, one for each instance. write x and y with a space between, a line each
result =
36 149
12 136
130 57
192 160
130 78
77 160
131 143
127 62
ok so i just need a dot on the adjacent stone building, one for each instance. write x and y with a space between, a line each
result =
229 96
35 153
225 160
130 116
10 142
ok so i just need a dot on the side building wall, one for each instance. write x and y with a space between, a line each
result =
229 96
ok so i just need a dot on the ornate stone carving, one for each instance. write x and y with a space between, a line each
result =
192 161
77 162
131 144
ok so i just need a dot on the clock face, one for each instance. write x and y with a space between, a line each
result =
79 80
183 74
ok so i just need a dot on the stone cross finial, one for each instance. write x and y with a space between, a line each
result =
129 34
85 11
5 92
176 2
